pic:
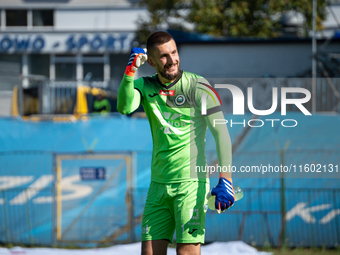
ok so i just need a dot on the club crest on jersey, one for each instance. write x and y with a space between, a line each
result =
180 100
167 92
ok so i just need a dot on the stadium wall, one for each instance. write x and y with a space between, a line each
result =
41 160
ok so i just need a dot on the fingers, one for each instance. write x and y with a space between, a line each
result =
227 205
144 58
223 206
213 192
231 205
217 206
140 60
137 63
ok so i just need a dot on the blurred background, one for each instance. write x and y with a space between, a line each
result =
74 171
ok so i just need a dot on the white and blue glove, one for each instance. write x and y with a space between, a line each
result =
137 58
224 195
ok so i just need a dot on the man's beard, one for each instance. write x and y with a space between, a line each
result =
171 77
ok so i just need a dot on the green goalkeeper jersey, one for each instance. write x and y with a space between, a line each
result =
177 125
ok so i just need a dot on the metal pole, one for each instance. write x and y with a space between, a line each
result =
281 240
130 201
80 69
54 192
5 215
29 227
336 218
25 71
314 59
283 199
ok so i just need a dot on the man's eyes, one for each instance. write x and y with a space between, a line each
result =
166 55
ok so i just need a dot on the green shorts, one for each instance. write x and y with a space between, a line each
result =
175 206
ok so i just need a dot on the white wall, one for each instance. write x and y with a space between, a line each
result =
5 103
101 19
331 22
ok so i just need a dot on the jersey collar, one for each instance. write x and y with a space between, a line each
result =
172 83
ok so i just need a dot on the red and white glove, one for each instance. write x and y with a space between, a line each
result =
137 58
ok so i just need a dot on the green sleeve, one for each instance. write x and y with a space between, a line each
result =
222 138
129 98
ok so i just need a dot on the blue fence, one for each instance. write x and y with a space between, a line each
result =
100 211
96 210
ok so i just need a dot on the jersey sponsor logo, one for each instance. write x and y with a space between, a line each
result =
170 122
180 100
145 230
153 95
192 231
167 92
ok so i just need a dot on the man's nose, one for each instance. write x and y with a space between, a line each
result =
171 59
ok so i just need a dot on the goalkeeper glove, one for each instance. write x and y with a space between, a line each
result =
224 195
137 58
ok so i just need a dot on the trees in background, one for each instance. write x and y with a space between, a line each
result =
235 18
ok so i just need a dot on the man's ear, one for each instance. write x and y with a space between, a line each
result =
150 62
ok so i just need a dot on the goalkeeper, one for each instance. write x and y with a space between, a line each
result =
180 106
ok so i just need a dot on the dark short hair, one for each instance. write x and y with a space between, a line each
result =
157 38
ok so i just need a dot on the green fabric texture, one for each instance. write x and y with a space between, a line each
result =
175 206
128 98
177 125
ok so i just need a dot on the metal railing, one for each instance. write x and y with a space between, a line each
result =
38 95
59 97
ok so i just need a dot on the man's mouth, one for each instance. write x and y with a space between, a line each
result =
171 67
